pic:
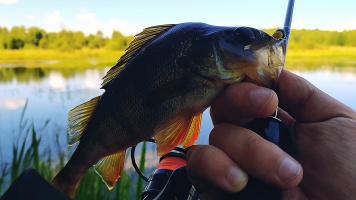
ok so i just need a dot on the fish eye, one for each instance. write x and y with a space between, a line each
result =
244 36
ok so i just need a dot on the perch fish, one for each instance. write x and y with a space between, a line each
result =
159 88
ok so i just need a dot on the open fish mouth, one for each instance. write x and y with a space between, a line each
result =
269 64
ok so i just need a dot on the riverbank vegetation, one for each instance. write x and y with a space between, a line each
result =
34 47
26 154
28 151
19 37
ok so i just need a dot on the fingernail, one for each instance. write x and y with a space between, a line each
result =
237 178
259 97
288 170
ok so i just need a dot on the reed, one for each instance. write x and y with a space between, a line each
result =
139 186
26 154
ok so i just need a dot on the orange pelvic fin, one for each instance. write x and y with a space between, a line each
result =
180 130
110 168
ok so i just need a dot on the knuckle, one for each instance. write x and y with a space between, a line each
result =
252 146
198 156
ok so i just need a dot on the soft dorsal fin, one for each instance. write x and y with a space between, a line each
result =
110 168
148 34
183 130
78 119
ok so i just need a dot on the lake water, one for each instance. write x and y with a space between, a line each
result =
43 97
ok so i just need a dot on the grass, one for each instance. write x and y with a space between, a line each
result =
86 58
139 187
26 154
332 57
54 54
329 52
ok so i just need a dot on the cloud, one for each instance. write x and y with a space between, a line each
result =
273 24
124 27
85 22
87 18
299 23
7 2
28 16
341 26
53 22
88 23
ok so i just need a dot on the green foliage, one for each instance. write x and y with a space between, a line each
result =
92 187
118 41
26 154
140 183
318 39
35 38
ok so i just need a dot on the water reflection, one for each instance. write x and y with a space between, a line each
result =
57 81
340 84
21 74
51 93
12 104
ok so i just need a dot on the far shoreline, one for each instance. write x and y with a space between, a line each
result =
90 58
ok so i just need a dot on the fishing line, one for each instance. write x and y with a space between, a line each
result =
133 148
286 29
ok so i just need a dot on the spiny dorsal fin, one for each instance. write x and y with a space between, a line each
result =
183 129
78 119
148 34
110 168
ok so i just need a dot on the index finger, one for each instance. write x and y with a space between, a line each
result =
240 103
306 103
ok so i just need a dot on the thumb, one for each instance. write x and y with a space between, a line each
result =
305 102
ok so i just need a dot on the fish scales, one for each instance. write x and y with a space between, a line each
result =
168 76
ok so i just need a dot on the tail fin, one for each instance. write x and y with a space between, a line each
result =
62 186
109 169
67 180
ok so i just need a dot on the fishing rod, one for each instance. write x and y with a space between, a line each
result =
288 21
163 183
271 129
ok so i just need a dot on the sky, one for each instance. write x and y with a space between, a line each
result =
130 17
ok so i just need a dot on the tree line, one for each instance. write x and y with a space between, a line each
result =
318 39
19 37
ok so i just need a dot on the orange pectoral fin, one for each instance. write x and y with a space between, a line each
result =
193 131
110 168
181 130
169 134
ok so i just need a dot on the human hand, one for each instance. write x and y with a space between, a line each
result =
323 138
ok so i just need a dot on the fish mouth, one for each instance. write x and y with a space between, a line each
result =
269 63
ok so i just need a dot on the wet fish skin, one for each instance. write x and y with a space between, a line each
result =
161 90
